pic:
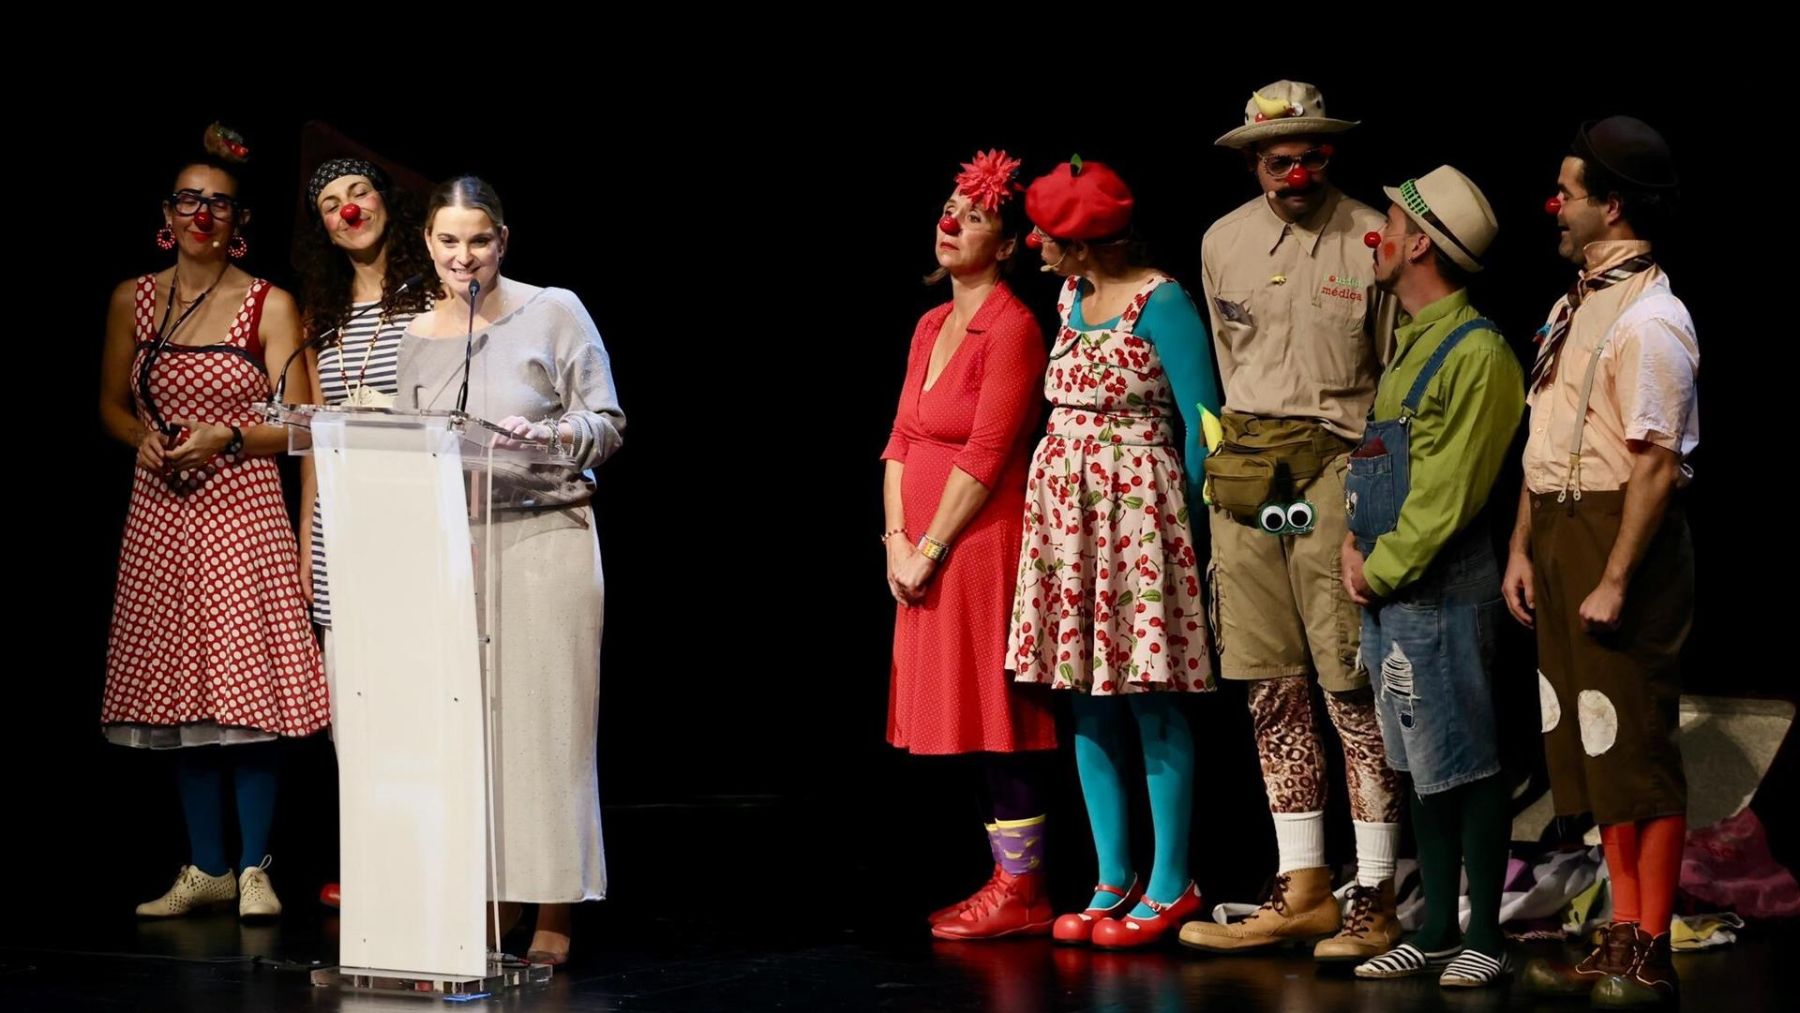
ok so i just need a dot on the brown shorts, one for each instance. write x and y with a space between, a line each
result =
1609 701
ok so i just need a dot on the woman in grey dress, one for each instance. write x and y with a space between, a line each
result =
539 368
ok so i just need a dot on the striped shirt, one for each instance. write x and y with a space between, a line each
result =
368 355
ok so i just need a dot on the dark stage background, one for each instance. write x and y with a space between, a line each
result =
753 262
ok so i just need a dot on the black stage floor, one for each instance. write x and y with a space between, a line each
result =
697 923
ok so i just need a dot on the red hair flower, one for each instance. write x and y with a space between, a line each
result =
989 180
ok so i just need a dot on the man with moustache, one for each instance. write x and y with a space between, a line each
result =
1301 334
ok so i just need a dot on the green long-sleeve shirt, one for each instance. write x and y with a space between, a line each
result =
1458 440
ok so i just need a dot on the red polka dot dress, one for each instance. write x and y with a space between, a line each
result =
210 635
949 691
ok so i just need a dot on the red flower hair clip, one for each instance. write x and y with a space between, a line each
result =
990 180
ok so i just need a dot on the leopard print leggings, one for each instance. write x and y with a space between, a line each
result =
1293 757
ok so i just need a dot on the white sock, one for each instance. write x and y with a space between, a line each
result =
1375 847
1300 837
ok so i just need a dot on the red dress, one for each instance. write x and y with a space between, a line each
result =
209 624
949 691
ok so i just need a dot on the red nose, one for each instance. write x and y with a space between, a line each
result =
949 226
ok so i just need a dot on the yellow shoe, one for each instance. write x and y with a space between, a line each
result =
256 898
193 890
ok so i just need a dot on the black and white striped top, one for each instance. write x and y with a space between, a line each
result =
368 355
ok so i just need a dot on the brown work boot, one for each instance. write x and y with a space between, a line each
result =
1650 981
1615 955
1300 909
1371 927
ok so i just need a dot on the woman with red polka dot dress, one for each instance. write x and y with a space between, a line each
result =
1108 603
212 651
955 479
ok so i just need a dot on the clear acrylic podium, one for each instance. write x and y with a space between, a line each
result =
407 500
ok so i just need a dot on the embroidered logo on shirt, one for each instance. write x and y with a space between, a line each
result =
1343 286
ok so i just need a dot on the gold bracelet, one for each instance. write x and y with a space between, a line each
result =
933 549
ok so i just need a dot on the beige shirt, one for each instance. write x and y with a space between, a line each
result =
1300 328
1645 387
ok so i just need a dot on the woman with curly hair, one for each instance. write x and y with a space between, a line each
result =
361 266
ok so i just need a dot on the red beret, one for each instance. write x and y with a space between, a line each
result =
1079 200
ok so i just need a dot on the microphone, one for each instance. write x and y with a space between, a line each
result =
462 396
281 385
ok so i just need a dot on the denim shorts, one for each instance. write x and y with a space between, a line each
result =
1429 651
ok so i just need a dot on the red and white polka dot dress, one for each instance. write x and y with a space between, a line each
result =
209 623
948 691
